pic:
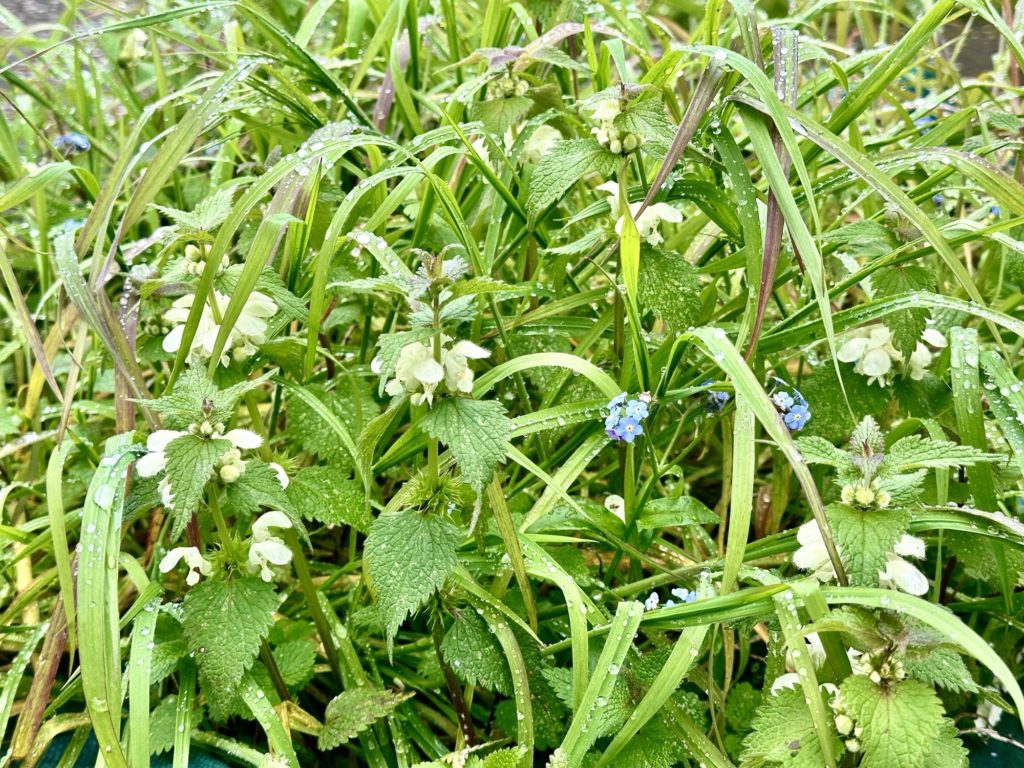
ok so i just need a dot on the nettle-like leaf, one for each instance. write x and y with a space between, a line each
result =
351 401
205 217
498 115
408 555
916 452
355 710
906 325
863 538
256 488
329 496
190 462
947 750
670 286
654 746
669 512
472 651
646 117
224 623
783 734
818 450
476 431
943 667
900 721
562 166
196 397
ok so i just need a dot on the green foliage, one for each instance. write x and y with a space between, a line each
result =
783 734
476 431
224 624
329 496
864 537
355 710
671 287
409 555
562 167
190 462
474 655
901 721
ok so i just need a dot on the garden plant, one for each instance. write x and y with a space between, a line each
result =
395 383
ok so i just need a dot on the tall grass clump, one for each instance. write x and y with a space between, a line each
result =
499 385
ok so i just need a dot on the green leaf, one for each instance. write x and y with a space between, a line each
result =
475 655
906 325
224 624
257 487
408 556
476 431
196 397
900 721
329 496
670 286
947 750
783 734
562 166
353 405
915 451
647 117
863 538
190 462
208 214
943 667
668 512
354 711
818 450
498 115
267 282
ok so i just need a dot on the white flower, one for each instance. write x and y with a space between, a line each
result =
617 506
872 352
875 356
156 444
540 141
282 476
648 222
901 574
789 680
197 564
417 372
457 375
606 109
267 549
989 715
248 332
812 554
231 464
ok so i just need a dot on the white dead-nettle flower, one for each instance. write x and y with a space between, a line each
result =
616 505
648 222
197 564
815 651
540 141
267 549
989 715
813 555
248 332
282 476
605 112
419 374
902 574
230 465
898 574
874 355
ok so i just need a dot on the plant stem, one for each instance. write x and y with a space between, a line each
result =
213 502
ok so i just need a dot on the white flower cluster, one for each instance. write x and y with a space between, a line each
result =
230 466
195 260
607 134
873 354
265 549
418 373
248 332
648 222
863 495
899 573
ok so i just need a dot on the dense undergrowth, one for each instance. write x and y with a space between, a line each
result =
511 384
